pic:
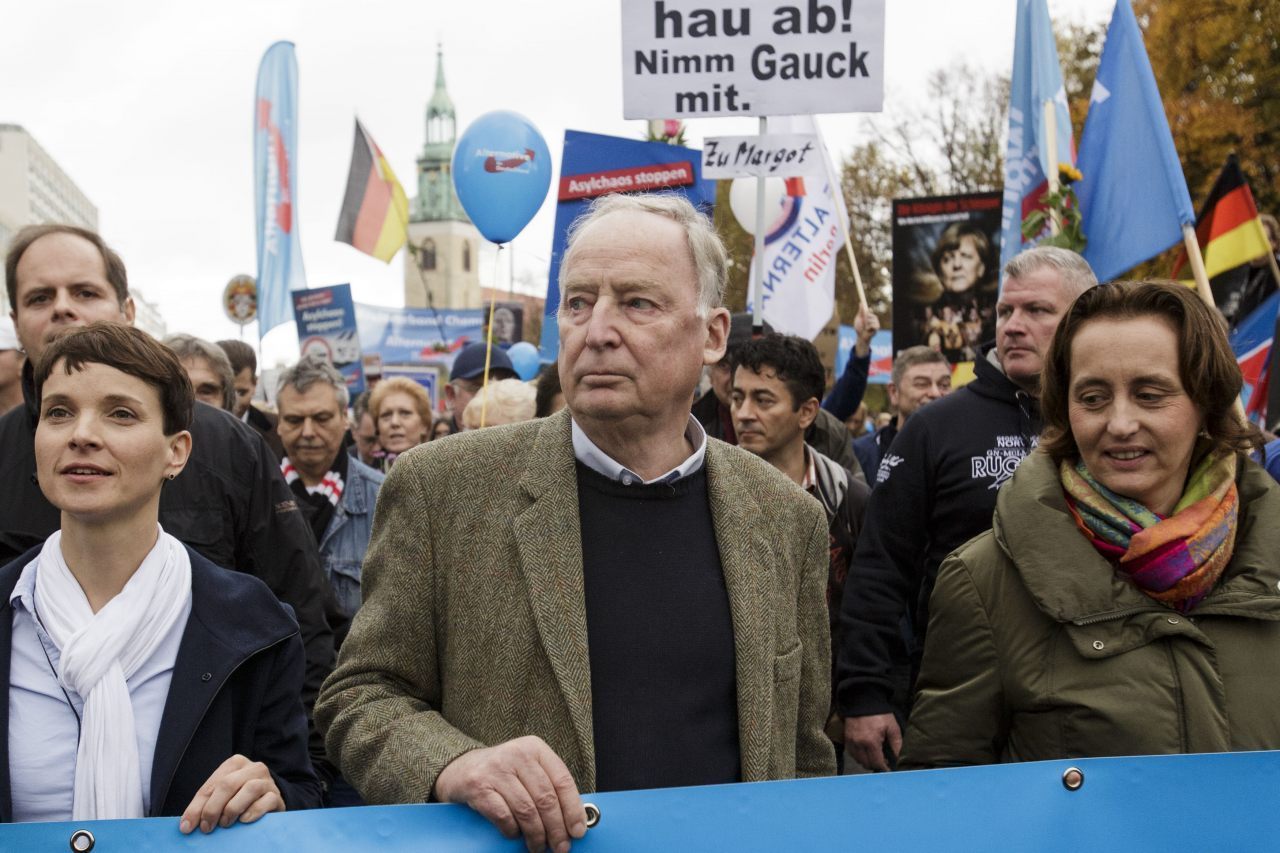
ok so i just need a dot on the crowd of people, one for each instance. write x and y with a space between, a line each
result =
604 580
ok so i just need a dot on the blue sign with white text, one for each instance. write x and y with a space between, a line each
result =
326 319
417 335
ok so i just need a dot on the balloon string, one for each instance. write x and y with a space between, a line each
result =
488 344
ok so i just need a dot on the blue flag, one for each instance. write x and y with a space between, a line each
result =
1133 197
1252 341
1029 159
275 178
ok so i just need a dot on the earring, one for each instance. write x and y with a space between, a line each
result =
173 476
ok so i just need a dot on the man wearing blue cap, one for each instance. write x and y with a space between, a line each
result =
467 376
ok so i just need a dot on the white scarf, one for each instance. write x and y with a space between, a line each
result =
99 651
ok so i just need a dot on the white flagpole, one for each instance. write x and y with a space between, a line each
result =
757 306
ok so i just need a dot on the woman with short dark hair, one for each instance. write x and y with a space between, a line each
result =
141 679
1125 601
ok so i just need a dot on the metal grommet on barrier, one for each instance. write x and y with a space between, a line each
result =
1073 779
82 841
593 814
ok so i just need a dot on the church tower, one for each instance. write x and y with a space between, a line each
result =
442 264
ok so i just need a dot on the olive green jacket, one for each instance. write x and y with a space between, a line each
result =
1038 649
473 629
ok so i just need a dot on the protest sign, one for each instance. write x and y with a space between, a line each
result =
414 336
508 323
686 58
775 155
946 253
327 326
881 369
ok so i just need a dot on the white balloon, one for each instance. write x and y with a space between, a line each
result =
742 201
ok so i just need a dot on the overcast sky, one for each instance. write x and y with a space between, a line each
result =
147 106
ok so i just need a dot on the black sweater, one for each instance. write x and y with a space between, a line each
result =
660 635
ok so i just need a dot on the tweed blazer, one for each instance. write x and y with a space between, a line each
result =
473 629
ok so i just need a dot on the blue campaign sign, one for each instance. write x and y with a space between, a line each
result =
406 336
594 165
1125 805
881 354
326 321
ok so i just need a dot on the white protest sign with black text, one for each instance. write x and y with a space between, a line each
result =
686 58
773 156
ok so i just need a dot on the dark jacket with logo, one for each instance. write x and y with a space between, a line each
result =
870 449
230 503
234 691
936 490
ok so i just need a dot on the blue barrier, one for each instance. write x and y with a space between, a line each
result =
1158 804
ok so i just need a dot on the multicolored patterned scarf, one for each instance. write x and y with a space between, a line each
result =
1175 560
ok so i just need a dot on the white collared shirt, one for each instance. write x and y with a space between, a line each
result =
586 452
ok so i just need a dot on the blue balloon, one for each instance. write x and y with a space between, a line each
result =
524 358
501 170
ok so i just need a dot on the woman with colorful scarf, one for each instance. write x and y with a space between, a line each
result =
1127 598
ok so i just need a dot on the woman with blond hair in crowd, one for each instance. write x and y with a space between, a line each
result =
140 679
401 410
1125 601
509 401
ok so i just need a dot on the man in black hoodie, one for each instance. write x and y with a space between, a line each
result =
936 489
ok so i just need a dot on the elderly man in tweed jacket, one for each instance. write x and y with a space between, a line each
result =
600 600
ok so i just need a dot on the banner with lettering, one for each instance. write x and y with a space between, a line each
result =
416 336
686 58
326 320
1099 805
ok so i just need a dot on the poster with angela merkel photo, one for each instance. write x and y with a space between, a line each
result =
946 271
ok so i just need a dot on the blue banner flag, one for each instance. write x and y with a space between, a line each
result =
275 180
593 165
1133 197
1113 805
1029 158
1252 341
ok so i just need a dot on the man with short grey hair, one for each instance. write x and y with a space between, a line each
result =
644 624
336 493
936 489
920 375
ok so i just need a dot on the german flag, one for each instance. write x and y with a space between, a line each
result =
1228 226
375 211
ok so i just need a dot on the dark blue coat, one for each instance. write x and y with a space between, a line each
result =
236 689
